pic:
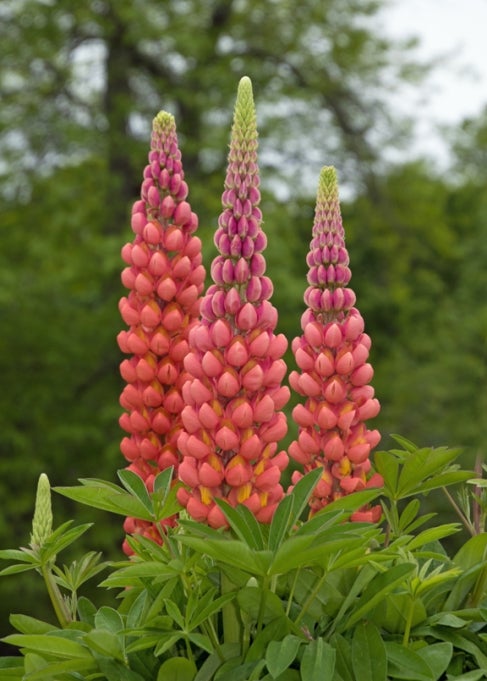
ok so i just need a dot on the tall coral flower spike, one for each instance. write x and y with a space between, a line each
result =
334 375
165 278
232 418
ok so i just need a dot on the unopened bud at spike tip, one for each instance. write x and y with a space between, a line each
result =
42 521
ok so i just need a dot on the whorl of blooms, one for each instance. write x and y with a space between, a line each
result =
232 418
165 277
334 375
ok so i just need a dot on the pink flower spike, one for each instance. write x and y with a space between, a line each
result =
165 279
235 375
333 374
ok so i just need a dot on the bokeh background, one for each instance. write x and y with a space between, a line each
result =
336 82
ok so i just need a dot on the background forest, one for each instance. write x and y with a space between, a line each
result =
80 85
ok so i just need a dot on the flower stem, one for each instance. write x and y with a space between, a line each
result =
291 592
260 616
409 622
310 598
466 522
58 603
230 618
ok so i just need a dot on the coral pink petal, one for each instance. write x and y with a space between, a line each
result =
216 518
197 510
221 333
251 448
243 415
207 416
264 409
227 439
247 317
208 476
228 384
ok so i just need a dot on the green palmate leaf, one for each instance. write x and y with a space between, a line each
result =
406 664
177 669
30 625
422 520
290 675
394 611
352 502
203 613
287 552
134 484
281 522
475 675
106 643
443 480
58 646
57 670
388 466
214 662
162 482
174 612
301 493
61 539
202 641
471 559
407 445
11 667
231 552
115 670
368 653
318 661
133 574
109 619
86 610
432 534
448 619
275 630
343 662
409 514
166 641
235 670
461 640
18 554
420 465
138 610
298 551
437 656
374 593
320 523
16 569
473 552
243 523
281 654
116 501
251 598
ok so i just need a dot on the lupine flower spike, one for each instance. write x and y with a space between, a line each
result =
333 375
165 277
232 418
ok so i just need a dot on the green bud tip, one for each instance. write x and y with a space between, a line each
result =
42 521
164 122
245 122
328 182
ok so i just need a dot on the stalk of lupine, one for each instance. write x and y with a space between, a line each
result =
232 418
334 375
165 277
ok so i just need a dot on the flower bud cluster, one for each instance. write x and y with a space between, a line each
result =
232 419
333 373
165 277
